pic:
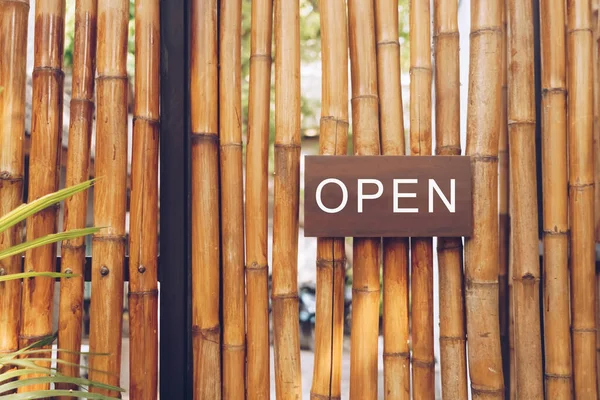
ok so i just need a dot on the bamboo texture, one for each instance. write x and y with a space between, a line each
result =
204 103
143 228
396 352
13 53
481 249
581 197
596 141
331 252
232 200
257 206
366 251
503 209
524 221
423 362
450 250
286 195
110 194
557 335
78 160
44 171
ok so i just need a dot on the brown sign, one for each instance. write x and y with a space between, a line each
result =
388 196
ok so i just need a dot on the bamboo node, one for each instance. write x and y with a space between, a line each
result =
404 355
553 90
453 339
261 56
483 158
233 347
527 278
575 30
286 146
144 293
334 119
581 186
48 70
558 376
364 290
211 137
339 263
207 334
148 120
417 69
486 390
233 145
489 29
254 266
293 295
523 122
388 43
449 150
445 33
584 330
83 100
109 238
9 177
112 77
423 363
365 96
323 396
550 232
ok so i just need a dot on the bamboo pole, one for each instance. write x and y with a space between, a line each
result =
596 141
44 170
232 200
143 228
257 207
366 251
204 99
78 160
450 250
581 195
481 249
524 222
331 252
13 53
110 194
396 335
423 362
557 335
503 209
286 193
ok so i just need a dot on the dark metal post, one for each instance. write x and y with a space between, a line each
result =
174 264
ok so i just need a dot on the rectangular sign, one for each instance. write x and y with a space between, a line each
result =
387 196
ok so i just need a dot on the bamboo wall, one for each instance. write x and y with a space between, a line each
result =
528 317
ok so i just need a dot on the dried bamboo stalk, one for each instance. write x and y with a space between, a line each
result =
13 53
44 170
450 250
232 200
396 335
557 335
204 99
286 193
423 362
143 228
581 196
596 66
503 210
110 194
257 207
78 160
331 252
366 251
524 222
481 249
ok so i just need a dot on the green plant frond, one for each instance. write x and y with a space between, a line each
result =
26 210
44 394
48 239
56 379
30 363
83 353
18 372
25 275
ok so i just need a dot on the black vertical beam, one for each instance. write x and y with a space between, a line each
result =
174 263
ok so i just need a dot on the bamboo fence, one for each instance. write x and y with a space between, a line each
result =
331 252
77 171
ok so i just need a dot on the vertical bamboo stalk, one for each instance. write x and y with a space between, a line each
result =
204 99
450 250
596 36
557 335
286 192
481 249
524 223
110 194
331 253
78 160
257 207
581 195
423 363
44 170
366 251
232 200
143 227
13 53
396 335
503 210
